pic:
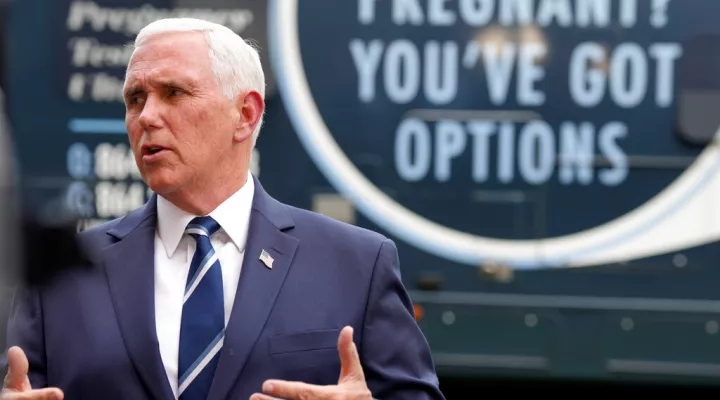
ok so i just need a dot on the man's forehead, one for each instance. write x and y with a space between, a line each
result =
180 55
169 41
171 48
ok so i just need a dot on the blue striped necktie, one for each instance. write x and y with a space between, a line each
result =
202 329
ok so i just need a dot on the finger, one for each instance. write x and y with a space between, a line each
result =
350 367
16 377
38 394
259 396
296 390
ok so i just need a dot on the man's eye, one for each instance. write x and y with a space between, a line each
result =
175 92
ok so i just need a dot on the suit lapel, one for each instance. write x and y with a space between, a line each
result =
129 264
257 289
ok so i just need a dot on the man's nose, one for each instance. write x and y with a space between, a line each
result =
151 115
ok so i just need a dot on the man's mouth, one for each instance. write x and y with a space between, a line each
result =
152 150
153 153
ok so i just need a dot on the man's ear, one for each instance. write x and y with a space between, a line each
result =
250 107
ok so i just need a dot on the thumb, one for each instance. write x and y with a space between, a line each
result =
350 367
17 374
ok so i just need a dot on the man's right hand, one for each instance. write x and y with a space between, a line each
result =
17 384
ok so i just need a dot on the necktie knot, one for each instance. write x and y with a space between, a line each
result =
202 226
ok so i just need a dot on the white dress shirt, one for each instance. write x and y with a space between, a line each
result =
173 254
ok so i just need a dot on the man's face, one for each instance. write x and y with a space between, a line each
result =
181 127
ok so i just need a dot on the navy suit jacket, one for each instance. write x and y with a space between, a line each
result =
92 332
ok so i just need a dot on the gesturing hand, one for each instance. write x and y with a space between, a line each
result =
16 385
351 384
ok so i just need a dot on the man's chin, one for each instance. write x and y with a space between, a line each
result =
161 184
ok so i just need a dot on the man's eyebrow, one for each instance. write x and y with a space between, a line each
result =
176 82
186 83
132 90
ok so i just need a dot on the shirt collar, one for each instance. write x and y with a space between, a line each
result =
233 215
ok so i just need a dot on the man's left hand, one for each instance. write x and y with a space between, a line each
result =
351 384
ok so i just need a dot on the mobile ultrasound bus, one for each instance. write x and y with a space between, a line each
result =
547 168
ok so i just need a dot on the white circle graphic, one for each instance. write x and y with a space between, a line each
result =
681 216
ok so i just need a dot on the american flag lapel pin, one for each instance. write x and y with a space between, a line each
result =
266 259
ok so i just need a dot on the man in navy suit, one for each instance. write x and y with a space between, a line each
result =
215 290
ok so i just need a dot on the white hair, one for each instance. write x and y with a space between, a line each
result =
235 62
